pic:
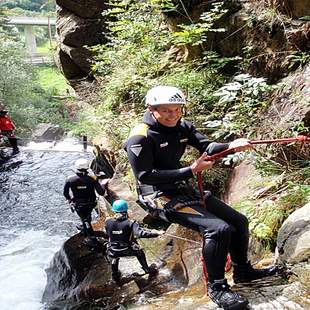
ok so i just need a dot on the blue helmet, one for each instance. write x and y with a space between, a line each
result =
119 206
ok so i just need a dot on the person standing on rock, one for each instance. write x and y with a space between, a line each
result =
7 128
123 233
154 149
80 191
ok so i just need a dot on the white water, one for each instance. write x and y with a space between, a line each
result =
34 219
22 264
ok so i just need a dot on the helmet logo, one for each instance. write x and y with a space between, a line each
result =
176 98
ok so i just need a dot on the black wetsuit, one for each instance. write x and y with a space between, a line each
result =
154 152
122 233
83 188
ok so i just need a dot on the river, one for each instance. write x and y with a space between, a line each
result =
34 219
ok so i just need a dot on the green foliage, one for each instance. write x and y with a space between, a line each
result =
265 219
298 59
30 5
296 195
51 80
135 59
196 33
239 102
28 103
277 200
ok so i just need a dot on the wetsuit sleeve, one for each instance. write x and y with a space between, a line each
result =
66 190
140 155
99 189
141 233
201 143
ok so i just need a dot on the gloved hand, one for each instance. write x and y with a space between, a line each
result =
71 203
91 174
160 232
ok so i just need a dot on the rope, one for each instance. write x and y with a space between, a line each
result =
181 238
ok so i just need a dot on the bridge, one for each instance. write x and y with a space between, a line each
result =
29 23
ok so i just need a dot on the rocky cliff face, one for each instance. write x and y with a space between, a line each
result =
266 33
79 25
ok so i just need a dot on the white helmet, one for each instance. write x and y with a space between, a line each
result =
164 95
81 163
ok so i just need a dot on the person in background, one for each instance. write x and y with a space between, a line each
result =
154 149
7 128
123 233
80 191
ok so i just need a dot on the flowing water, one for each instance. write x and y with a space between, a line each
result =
34 219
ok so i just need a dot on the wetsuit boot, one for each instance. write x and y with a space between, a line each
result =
245 272
152 270
221 294
116 274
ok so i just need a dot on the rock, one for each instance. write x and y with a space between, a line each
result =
295 8
75 31
84 8
80 25
69 68
302 271
47 132
118 189
74 271
81 277
81 56
293 240
185 259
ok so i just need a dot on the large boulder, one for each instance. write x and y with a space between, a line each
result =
80 25
47 132
76 31
80 278
84 8
294 237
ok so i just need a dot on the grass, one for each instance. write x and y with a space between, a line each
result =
46 48
51 79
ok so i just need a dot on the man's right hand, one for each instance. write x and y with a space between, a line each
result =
201 164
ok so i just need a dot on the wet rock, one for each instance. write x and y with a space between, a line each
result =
74 271
294 237
185 259
47 132
80 276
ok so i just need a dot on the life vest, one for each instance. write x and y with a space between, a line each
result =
6 124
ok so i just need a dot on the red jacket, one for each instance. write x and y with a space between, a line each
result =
6 123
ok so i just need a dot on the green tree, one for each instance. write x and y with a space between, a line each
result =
31 5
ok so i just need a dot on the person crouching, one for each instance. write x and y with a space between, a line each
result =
122 234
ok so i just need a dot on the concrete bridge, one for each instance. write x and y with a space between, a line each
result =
29 23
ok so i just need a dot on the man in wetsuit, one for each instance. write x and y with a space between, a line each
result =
123 233
154 150
7 128
84 185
